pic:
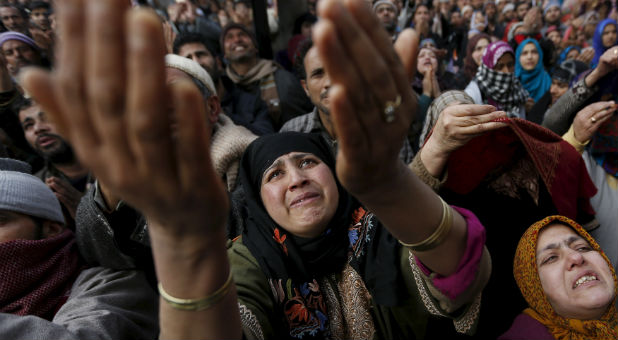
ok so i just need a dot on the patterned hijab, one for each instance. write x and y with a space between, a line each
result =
503 90
536 81
438 105
528 281
294 264
597 40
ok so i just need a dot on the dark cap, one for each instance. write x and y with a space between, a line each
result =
240 27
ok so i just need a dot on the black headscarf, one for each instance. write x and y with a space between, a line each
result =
292 263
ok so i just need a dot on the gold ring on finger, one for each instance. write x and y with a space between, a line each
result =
389 109
593 120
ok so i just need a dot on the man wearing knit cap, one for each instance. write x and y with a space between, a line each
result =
552 14
45 291
245 108
386 11
508 13
113 234
279 88
19 50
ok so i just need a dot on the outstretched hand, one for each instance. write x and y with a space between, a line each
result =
589 119
109 96
366 74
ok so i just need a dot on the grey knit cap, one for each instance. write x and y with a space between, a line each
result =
23 193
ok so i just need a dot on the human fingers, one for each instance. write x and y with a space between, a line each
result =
475 124
406 47
465 110
343 118
68 81
148 104
106 71
193 137
39 84
362 47
382 41
602 112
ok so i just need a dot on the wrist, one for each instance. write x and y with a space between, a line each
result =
434 157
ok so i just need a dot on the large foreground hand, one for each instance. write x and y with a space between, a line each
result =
109 96
366 74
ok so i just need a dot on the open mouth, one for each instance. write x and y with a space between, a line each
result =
586 278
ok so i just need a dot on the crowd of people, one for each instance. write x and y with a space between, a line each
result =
402 169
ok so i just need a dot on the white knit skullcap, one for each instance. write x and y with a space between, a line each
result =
23 193
191 68
385 2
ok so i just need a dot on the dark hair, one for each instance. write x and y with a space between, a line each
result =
193 37
299 58
21 103
39 4
519 3
20 8
303 18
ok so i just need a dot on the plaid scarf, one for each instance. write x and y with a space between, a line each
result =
502 90
527 277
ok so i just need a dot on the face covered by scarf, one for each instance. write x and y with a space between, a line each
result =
502 90
536 81
527 277
293 264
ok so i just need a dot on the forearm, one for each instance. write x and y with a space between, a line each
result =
434 160
412 211
560 116
193 267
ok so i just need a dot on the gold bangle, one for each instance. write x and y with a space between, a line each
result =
439 235
197 304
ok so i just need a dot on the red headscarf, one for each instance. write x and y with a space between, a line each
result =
557 162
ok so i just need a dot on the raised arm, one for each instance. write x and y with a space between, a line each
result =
372 106
560 116
109 95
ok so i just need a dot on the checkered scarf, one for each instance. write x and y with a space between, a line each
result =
503 90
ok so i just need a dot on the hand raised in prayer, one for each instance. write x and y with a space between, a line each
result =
586 56
456 126
608 61
589 119
368 81
109 96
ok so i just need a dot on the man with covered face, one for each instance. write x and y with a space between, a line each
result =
46 290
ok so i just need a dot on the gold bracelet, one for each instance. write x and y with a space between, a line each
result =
439 235
197 304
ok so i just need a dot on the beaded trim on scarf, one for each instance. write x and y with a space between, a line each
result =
463 324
